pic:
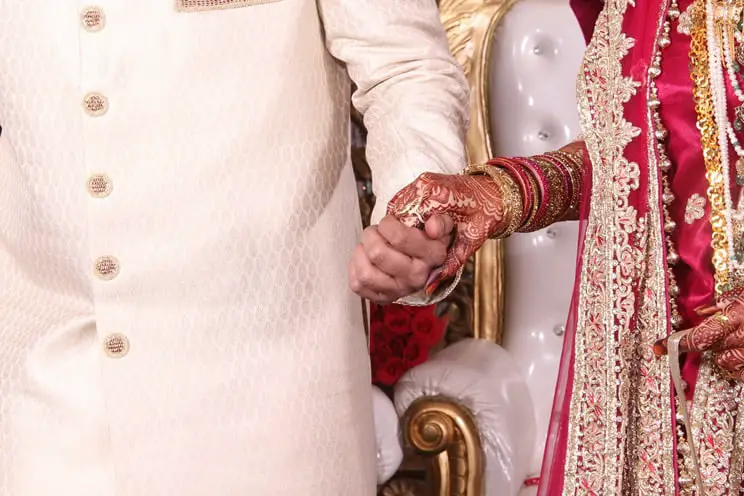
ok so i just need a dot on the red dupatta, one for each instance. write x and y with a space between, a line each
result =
612 427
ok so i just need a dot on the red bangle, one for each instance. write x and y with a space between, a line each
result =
565 176
522 180
532 481
543 190
573 163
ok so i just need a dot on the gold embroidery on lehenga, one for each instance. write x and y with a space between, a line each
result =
695 208
652 453
620 432
620 394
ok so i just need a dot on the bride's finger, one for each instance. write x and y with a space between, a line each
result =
702 337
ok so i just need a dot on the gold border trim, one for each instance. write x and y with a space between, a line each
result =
206 5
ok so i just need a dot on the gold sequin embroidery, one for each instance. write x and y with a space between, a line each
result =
604 433
685 21
695 209
202 5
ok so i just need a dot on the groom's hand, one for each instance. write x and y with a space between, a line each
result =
394 260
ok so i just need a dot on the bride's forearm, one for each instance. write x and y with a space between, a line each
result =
549 186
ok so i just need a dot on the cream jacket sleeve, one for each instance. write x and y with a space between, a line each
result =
412 93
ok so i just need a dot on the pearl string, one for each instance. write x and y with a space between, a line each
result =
720 107
729 63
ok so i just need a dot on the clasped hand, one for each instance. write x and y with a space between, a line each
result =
433 226
394 260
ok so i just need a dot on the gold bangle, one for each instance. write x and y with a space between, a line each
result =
510 195
557 194
536 201
574 162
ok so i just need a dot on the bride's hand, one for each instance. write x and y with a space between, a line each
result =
475 203
722 333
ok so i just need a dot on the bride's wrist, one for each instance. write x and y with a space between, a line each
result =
549 186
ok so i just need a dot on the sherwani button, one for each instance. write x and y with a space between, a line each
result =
92 19
106 268
99 185
116 345
95 104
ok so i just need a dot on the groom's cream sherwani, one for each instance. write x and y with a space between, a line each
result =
176 212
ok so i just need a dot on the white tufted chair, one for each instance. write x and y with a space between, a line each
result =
506 390
534 63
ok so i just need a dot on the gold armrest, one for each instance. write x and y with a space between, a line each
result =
444 452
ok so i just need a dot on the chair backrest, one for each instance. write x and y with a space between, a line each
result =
521 58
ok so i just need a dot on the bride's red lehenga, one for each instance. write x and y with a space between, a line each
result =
644 266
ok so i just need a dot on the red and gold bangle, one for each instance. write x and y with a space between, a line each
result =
566 177
523 181
559 186
538 174
550 185
535 202
573 162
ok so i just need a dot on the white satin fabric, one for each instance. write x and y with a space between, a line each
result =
389 441
230 214
536 55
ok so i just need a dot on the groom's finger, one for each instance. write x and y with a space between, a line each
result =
439 226
413 242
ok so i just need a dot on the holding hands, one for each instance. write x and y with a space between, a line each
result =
394 260
475 204
433 226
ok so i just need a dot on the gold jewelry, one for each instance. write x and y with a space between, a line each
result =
557 193
535 203
413 209
510 194
706 123
573 162
721 318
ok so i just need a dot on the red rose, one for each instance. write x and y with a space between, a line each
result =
396 345
427 327
398 318
400 338
389 371
377 336
415 353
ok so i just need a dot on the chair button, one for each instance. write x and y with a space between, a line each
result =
106 268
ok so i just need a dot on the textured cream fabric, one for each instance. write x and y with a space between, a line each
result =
232 212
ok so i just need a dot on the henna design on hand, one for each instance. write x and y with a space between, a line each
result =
722 333
473 202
